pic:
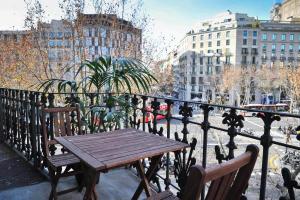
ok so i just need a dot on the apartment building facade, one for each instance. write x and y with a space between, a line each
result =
68 44
232 40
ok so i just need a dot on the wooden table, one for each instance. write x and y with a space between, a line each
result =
105 151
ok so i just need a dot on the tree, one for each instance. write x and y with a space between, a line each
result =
239 81
163 72
290 84
19 62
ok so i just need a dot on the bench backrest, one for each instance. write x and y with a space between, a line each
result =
60 120
228 180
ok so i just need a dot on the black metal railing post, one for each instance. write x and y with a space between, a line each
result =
134 122
2 114
144 111
266 142
33 131
38 128
205 125
18 120
168 118
44 105
22 121
52 148
126 120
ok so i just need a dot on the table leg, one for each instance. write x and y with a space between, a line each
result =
144 181
91 177
145 178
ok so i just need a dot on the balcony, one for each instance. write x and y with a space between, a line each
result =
254 51
245 51
216 133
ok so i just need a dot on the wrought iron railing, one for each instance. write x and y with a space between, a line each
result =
203 126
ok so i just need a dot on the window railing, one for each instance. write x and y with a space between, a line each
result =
216 133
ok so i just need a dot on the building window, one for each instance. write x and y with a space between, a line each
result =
209 36
90 32
218 43
218 60
209 44
274 36
194 38
264 48
193 89
103 32
201 69
193 70
254 42
218 35
201 80
201 60
244 51
244 60
209 60
283 37
291 48
273 47
201 45
227 59
292 36
228 34
51 43
59 43
227 42
193 81
244 41
201 37
282 48
51 35
245 33
254 33
264 36
60 34
209 70
194 45
253 60
218 69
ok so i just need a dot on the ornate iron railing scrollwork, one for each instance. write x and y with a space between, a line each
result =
134 122
183 162
233 121
155 105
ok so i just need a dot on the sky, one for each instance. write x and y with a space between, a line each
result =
170 17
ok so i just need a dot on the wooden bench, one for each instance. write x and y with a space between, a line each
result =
228 180
62 126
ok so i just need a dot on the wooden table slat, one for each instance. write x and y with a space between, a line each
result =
105 150
126 150
89 160
99 143
119 144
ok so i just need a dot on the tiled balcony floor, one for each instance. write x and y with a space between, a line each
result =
19 181
118 184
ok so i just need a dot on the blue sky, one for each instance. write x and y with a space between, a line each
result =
178 16
170 17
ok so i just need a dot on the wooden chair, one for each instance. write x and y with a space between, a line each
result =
228 180
61 127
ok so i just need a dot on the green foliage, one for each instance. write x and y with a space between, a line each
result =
112 75
116 75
